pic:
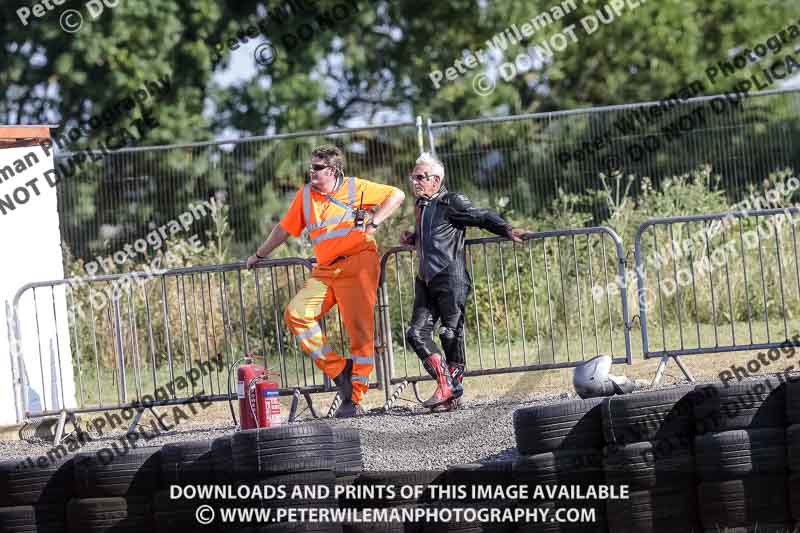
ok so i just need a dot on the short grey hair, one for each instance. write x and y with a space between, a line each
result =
426 158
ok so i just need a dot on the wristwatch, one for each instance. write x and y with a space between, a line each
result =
256 254
372 224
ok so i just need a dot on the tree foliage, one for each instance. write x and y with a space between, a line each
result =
375 59
370 63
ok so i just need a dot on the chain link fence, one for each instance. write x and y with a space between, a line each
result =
519 162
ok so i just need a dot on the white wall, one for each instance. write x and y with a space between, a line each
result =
31 245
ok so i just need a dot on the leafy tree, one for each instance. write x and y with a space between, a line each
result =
370 62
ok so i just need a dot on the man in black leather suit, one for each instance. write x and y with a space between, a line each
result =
443 283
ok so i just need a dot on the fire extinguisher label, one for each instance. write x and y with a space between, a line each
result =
272 406
240 389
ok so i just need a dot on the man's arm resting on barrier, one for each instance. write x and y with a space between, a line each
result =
277 237
463 213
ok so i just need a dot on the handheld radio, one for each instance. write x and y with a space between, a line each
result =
360 214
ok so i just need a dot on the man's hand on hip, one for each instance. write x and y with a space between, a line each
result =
407 238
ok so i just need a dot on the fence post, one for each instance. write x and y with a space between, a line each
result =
431 140
637 245
122 388
15 354
420 139
378 343
386 334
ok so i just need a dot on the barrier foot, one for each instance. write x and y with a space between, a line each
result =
684 369
135 421
62 420
662 365
293 407
390 402
415 386
334 405
76 424
160 422
310 403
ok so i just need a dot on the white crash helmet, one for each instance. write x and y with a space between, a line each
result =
591 379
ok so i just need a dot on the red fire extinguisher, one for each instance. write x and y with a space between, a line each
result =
246 376
259 402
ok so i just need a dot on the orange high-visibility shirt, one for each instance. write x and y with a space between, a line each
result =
331 223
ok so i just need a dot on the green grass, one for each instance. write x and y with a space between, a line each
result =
140 380
708 364
298 368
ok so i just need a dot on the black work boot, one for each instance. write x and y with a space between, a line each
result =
435 365
347 409
343 381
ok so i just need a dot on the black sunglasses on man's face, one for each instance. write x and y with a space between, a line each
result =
317 168
421 177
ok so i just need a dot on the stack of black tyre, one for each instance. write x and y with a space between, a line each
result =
196 462
291 456
349 461
128 489
741 457
114 492
33 497
295 457
561 444
649 438
793 446
453 491
370 491
457 485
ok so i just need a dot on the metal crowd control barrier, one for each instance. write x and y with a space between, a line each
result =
142 331
717 283
534 306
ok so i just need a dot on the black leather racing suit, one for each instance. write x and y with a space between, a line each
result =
443 284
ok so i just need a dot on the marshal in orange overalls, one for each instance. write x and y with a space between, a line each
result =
347 274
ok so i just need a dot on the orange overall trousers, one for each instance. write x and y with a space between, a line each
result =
352 283
346 275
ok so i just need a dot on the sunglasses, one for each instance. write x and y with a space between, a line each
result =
421 177
317 168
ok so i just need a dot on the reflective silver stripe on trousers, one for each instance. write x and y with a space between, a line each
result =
360 379
363 359
319 353
310 332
